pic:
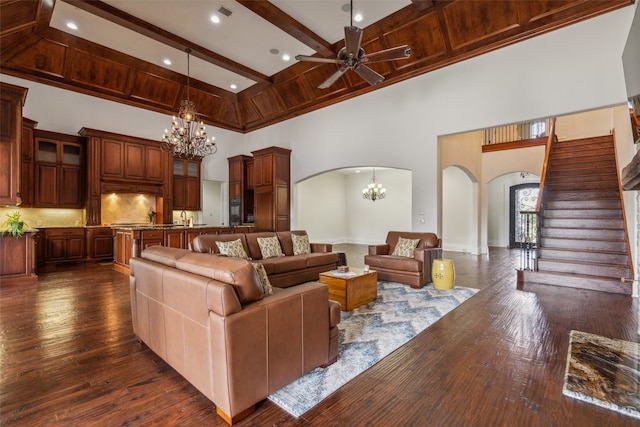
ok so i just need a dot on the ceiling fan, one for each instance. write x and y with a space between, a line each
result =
353 56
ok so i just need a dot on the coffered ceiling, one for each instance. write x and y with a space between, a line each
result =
240 77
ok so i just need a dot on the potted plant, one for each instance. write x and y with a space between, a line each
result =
14 225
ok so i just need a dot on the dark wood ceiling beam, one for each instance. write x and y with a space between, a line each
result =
132 23
286 23
423 5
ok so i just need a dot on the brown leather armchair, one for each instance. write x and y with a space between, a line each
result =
415 271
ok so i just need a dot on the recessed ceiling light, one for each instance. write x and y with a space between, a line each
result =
357 170
215 19
167 61
274 51
233 86
72 25
357 17
286 57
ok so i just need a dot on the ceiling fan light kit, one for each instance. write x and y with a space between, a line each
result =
352 56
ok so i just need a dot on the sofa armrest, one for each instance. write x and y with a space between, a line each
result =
321 247
222 299
427 256
382 249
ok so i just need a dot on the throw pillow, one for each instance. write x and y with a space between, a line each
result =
270 247
301 244
405 247
233 248
262 275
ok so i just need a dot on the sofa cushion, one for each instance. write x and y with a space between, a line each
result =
405 247
233 248
389 262
264 279
284 264
321 258
164 255
301 244
234 271
270 247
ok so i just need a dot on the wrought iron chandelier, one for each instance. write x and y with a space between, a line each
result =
374 191
188 137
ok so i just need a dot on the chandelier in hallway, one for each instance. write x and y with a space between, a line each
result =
374 190
188 138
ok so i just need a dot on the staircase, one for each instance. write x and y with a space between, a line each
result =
583 240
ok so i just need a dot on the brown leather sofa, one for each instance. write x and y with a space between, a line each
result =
415 271
283 271
207 317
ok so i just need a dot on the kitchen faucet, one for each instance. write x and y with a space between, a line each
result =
183 215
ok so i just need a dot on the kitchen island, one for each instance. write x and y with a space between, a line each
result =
130 239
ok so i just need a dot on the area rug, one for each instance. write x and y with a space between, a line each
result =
604 371
369 333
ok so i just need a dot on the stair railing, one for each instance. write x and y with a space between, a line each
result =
532 220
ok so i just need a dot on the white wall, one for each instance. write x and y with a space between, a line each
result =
331 208
321 206
459 205
631 58
213 205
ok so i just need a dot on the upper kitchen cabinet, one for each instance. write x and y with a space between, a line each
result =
12 99
186 184
59 162
28 162
127 160
126 164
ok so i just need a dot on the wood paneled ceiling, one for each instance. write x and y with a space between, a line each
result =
117 55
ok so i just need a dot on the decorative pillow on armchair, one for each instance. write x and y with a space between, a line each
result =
233 248
301 244
264 279
270 247
405 247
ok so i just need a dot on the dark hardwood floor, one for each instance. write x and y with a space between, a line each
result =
68 357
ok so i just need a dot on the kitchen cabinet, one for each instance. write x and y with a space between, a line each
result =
126 160
12 99
28 162
40 243
186 184
16 259
175 238
58 170
99 243
65 245
123 247
271 186
125 164
150 238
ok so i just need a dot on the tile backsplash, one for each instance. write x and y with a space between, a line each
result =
126 208
40 217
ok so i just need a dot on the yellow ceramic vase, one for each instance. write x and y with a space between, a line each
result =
443 274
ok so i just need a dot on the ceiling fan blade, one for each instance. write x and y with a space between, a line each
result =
316 59
400 52
368 74
352 39
332 79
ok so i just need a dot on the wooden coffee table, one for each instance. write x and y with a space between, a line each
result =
353 290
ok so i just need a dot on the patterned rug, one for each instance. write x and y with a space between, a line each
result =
369 333
604 372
